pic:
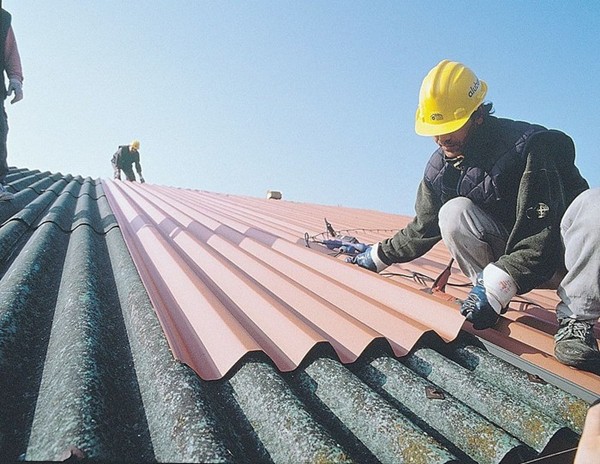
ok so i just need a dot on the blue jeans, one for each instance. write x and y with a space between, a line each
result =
579 290
475 239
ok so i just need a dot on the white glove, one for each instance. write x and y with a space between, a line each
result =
14 85
489 297
500 287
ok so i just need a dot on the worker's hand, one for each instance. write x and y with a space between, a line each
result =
369 259
489 298
118 175
142 180
477 308
14 85
353 248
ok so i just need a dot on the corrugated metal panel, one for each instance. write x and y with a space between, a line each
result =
233 283
85 368
261 288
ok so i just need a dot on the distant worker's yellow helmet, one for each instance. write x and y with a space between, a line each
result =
450 94
135 144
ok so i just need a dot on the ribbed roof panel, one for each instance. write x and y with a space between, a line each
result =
241 278
252 271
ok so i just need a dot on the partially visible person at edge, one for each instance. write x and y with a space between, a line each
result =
588 451
124 159
510 205
11 65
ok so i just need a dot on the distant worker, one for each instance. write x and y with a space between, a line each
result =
124 159
511 206
10 61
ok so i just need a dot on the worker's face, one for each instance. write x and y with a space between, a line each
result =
453 144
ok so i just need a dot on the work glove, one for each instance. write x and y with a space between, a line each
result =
142 180
369 259
350 248
14 85
353 248
118 175
489 298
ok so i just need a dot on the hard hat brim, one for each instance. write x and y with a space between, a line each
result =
432 130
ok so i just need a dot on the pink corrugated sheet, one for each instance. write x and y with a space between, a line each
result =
229 275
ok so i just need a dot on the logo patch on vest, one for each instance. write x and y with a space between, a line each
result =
539 211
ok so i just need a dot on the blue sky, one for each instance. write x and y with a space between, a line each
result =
312 98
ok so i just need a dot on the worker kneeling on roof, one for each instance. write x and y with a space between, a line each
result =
511 206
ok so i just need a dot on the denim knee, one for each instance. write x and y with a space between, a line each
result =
589 196
583 209
451 213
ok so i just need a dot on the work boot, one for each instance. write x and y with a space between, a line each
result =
5 195
575 344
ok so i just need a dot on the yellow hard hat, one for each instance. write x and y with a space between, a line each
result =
135 144
450 94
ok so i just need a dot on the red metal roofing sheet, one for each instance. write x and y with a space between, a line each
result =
229 275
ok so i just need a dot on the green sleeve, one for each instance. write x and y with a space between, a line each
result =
420 235
549 182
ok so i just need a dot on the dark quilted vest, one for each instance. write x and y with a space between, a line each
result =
491 171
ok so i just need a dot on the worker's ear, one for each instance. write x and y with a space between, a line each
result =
479 115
